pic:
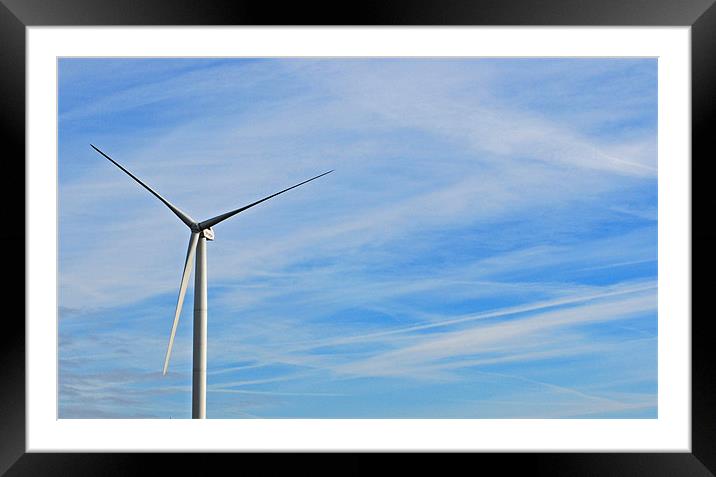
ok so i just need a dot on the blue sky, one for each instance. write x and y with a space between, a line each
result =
486 247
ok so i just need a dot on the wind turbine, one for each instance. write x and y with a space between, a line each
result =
200 233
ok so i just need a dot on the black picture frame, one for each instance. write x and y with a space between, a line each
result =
700 15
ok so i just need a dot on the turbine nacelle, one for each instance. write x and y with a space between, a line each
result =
202 230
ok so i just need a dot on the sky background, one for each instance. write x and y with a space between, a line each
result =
486 247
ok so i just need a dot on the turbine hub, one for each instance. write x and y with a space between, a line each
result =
208 234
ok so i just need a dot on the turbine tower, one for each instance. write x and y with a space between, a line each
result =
201 232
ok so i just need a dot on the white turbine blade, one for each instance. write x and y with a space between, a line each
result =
182 291
182 215
220 218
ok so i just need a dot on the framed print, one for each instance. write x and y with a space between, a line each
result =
463 236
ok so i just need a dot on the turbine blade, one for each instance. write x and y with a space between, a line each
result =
220 218
182 216
182 291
